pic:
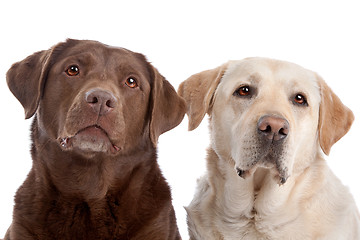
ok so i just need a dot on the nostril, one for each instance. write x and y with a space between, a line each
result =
91 97
284 131
267 129
110 104
263 126
93 100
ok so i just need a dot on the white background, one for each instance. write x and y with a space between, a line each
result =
182 38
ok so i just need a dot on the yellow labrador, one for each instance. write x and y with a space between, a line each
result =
267 178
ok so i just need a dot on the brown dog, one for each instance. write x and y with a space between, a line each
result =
99 111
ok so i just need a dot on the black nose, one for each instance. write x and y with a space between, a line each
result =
101 101
272 128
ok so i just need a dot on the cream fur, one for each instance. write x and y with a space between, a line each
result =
311 204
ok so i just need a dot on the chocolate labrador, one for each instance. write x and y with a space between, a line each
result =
99 111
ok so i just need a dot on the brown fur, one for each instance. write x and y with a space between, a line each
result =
116 191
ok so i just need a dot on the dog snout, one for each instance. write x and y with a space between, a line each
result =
101 101
273 128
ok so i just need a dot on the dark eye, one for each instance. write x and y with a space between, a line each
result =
73 70
131 82
299 99
243 91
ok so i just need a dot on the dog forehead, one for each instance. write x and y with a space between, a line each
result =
99 49
264 71
96 49
93 53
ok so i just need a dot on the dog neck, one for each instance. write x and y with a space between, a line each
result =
253 198
74 176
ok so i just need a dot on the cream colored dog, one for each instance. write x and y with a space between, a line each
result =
267 178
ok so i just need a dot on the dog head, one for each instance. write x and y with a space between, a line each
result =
92 98
266 113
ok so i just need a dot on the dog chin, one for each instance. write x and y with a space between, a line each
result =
90 141
87 145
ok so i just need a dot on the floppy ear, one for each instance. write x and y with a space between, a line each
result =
198 91
335 118
168 108
26 79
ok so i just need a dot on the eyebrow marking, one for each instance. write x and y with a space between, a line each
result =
254 78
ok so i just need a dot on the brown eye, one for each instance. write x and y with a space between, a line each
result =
73 70
243 91
300 100
131 82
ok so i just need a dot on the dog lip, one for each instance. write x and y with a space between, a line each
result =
64 142
242 173
281 177
116 148
91 126
282 180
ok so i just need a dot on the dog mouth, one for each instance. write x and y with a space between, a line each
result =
89 139
281 177
268 161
